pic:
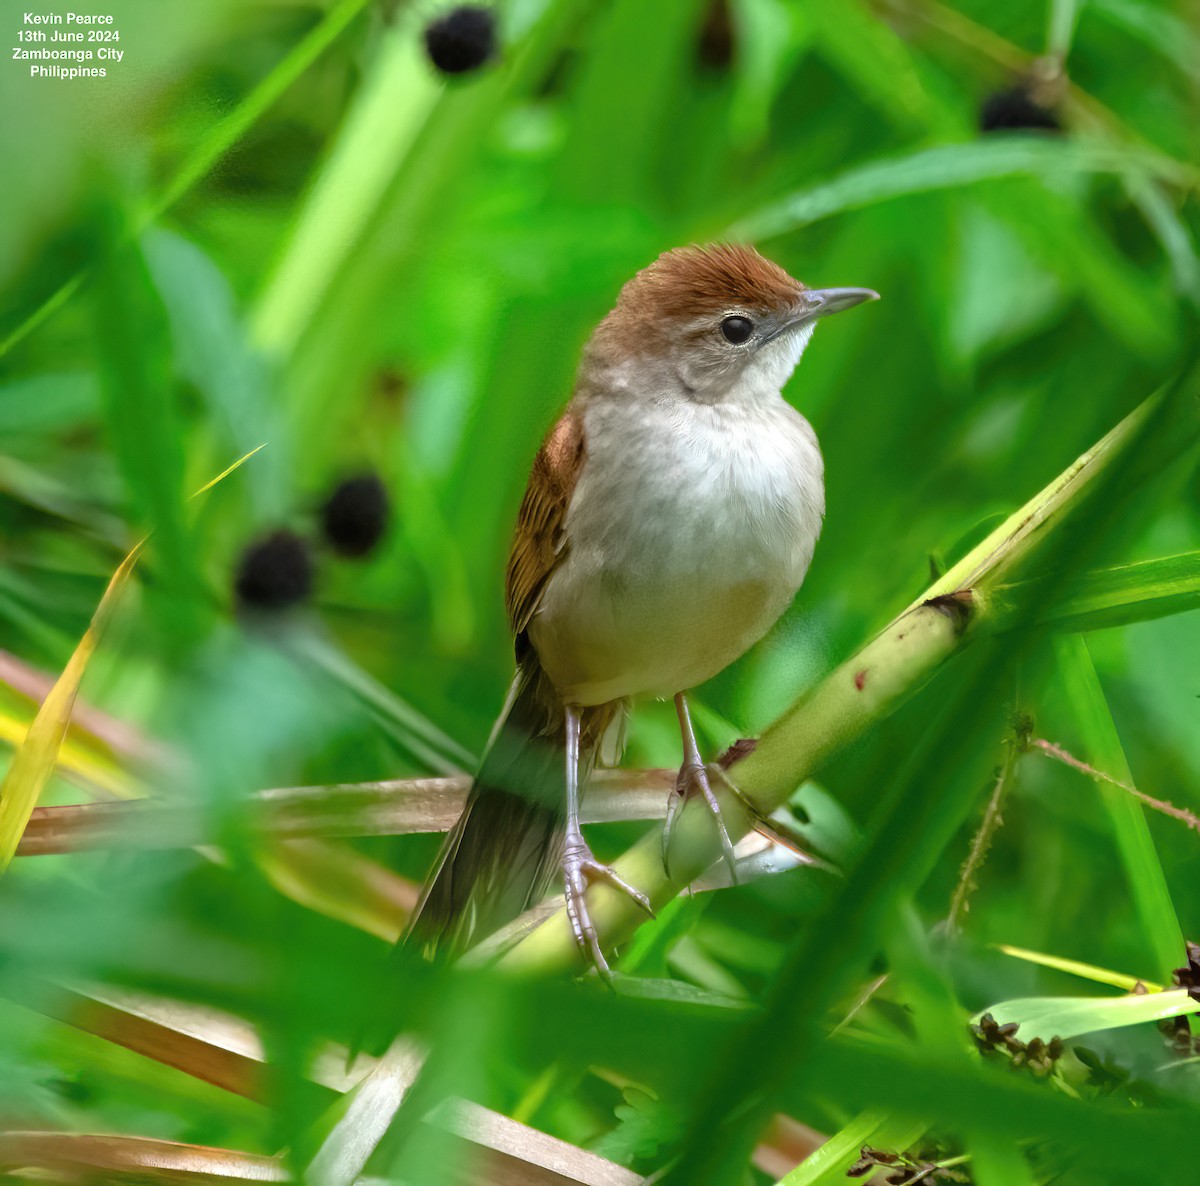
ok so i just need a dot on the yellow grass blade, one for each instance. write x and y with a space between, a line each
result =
34 762
226 472
1075 968
74 760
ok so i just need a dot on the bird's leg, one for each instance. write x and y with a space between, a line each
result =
580 868
692 780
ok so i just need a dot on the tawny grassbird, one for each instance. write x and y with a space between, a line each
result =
670 517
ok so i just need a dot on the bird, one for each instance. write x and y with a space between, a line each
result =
670 517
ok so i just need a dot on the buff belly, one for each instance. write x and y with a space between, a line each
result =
700 524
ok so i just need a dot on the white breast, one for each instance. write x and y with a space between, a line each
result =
689 532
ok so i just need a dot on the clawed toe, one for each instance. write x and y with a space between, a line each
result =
581 869
693 779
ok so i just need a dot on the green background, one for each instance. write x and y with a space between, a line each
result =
273 222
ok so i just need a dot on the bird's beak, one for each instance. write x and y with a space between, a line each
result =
820 302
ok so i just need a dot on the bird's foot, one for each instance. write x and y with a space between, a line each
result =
580 869
694 780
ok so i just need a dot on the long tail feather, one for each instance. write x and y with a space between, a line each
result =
502 855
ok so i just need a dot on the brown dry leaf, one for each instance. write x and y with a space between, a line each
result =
92 1157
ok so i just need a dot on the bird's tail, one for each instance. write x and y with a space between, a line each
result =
503 854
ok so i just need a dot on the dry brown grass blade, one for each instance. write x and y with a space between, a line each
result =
510 1152
334 880
226 1051
206 1043
93 1157
359 809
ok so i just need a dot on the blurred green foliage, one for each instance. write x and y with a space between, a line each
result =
273 222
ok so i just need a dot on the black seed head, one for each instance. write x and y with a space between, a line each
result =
1189 975
274 572
355 516
462 40
715 48
1015 110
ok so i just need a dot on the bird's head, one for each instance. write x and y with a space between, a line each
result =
713 323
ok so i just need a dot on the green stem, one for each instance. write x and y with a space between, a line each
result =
981 843
389 113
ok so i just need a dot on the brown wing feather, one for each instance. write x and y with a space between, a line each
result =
539 542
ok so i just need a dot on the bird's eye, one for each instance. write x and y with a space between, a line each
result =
737 329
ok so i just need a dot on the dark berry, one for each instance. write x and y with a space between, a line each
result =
715 48
355 516
1189 975
462 40
1016 110
274 572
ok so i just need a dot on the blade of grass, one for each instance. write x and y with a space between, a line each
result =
397 808
1062 18
35 761
234 126
1075 968
1117 596
828 1165
336 881
950 166
389 111
1147 882
1068 1017
143 417
1113 1141
433 748
74 762
1166 32
98 1157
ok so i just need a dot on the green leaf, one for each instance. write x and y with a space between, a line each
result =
1063 17
51 401
827 1165
389 111
1107 597
1102 749
219 140
1068 1017
951 166
139 395
772 36
1164 31
211 351
644 1124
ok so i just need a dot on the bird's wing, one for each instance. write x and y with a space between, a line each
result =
539 542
